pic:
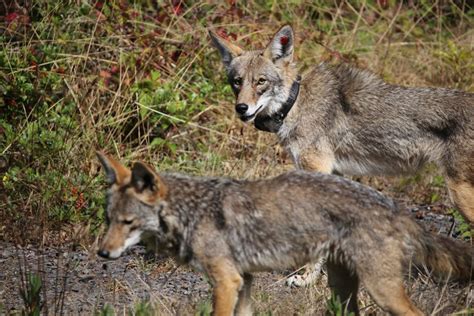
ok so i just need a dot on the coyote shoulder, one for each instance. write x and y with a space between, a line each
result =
230 229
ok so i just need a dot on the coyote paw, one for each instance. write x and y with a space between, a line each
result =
311 274
296 281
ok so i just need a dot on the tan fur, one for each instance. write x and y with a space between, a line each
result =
463 197
244 303
234 49
391 296
227 285
249 94
115 237
145 197
316 161
151 197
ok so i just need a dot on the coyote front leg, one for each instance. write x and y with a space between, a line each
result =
227 283
312 160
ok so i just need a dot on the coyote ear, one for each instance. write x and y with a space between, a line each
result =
227 50
114 170
147 183
281 45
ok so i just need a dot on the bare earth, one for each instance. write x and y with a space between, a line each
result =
78 282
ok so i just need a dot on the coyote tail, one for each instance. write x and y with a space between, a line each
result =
447 258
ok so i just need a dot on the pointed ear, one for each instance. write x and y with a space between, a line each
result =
114 170
227 50
147 183
280 47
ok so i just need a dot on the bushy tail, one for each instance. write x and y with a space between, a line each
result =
445 257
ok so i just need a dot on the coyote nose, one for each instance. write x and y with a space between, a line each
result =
241 108
103 253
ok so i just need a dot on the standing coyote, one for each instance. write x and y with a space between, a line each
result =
230 229
346 120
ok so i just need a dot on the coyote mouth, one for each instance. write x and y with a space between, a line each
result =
249 118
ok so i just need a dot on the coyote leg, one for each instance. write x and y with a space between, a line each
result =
311 160
227 284
390 295
345 285
462 194
244 303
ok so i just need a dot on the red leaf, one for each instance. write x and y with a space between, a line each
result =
383 3
134 13
98 5
177 7
105 74
114 69
60 70
222 33
11 17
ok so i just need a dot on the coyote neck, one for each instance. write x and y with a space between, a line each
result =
273 122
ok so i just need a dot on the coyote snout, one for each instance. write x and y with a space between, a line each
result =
245 112
119 237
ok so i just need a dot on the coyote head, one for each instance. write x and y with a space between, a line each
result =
134 200
261 80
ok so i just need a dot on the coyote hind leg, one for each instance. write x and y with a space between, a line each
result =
383 279
462 193
244 303
390 295
344 285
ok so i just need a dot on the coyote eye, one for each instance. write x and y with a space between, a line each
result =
261 81
237 81
127 221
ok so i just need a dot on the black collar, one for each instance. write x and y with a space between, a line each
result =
272 123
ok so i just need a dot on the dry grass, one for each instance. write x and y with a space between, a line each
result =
141 81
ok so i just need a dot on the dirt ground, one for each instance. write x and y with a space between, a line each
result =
78 282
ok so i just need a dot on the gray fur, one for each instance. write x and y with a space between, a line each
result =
388 129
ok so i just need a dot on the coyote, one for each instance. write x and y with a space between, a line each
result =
231 228
349 121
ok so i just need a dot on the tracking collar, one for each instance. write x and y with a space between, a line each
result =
272 123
